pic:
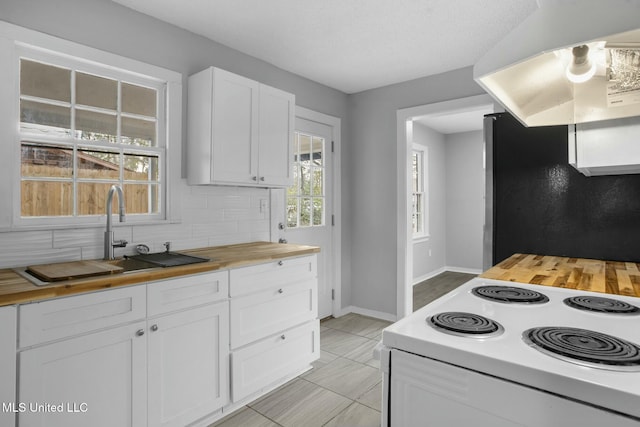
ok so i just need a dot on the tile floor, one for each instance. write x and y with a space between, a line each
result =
343 389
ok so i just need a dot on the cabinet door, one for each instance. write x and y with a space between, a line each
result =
276 137
92 380
265 362
7 364
235 132
264 313
188 365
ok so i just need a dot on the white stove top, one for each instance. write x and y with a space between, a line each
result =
507 356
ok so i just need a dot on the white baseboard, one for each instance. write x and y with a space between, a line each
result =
441 270
463 270
369 313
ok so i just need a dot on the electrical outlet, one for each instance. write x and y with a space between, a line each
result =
429 252
263 205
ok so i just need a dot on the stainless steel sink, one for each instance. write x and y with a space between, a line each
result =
131 264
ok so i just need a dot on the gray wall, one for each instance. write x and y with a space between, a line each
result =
464 199
372 175
423 264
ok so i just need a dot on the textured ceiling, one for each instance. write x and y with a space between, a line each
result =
349 45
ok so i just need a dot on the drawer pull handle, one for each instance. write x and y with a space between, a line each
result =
280 291
140 332
280 262
282 337
154 328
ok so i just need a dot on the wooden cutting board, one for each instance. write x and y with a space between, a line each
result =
72 270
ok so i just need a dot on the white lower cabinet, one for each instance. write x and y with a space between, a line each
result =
8 331
98 360
274 330
264 362
99 379
188 365
171 353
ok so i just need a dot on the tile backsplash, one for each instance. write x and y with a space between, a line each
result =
211 216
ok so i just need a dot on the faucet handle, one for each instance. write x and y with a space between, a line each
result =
167 246
120 243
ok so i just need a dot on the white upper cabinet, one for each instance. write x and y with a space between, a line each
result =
608 147
240 132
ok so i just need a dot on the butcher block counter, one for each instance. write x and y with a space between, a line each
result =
613 277
16 289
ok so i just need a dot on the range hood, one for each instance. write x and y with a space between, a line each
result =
527 71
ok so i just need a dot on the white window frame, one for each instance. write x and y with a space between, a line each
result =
17 42
422 151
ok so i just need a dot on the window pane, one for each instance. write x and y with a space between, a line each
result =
98 165
305 179
305 212
45 81
292 212
141 168
92 198
317 182
416 172
141 198
92 126
138 132
138 100
40 161
96 91
318 211
36 117
304 148
46 198
294 190
316 150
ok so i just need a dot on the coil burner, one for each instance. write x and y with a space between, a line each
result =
601 305
465 324
585 347
510 294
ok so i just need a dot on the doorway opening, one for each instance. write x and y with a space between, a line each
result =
451 117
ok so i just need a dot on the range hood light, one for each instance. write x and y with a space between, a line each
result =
581 68
526 71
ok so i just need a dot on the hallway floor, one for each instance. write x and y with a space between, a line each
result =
344 388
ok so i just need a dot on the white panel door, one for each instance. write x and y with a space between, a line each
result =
309 204
188 365
97 380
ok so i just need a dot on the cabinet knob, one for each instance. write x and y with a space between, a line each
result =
280 262
262 178
140 332
154 328
280 291
255 178
282 337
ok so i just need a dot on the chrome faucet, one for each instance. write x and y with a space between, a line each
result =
109 243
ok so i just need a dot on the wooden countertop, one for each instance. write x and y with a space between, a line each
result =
16 289
612 277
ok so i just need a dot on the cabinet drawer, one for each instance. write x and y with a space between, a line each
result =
187 291
261 364
65 317
277 273
264 313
